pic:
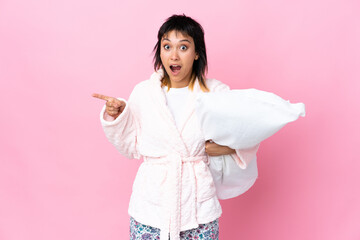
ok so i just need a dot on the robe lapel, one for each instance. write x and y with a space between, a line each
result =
160 104
190 106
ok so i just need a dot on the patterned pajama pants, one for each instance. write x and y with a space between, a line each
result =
208 231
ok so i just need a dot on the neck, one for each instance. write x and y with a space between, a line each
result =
182 83
179 85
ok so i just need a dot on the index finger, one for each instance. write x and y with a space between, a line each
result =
103 97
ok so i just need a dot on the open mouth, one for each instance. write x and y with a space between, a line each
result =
175 68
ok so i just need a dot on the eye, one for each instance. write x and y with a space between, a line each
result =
166 47
183 47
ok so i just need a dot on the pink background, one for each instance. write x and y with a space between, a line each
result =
61 179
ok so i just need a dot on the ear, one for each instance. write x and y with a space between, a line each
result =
196 56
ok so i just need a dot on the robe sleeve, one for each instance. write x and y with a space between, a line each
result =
242 156
122 132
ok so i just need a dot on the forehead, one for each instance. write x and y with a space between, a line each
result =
174 34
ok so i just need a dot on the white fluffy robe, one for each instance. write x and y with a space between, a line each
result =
173 189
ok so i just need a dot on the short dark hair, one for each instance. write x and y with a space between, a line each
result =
189 27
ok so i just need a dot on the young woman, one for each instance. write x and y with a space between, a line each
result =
173 192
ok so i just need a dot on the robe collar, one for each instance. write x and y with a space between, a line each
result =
160 98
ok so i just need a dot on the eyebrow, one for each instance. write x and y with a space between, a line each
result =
183 40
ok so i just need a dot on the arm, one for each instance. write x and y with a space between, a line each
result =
214 149
242 156
122 132
120 125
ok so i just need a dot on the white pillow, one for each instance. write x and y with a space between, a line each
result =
241 119
229 179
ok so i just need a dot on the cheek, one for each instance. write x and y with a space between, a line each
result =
163 55
189 58
163 60
189 61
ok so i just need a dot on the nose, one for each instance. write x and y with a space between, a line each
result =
174 55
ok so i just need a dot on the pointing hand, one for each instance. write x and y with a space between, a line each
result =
114 106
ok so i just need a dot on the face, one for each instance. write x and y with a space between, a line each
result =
177 55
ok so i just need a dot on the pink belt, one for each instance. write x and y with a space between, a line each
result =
173 202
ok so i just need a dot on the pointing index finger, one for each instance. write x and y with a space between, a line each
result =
103 97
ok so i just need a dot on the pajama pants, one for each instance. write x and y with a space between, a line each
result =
208 231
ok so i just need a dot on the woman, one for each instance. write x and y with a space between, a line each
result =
173 192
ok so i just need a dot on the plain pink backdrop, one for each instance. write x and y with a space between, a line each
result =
60 179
